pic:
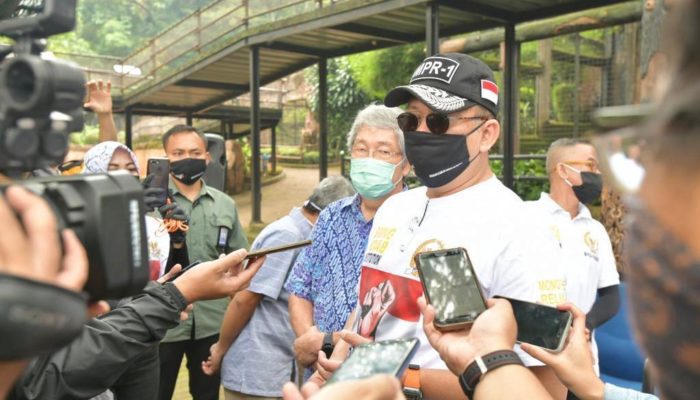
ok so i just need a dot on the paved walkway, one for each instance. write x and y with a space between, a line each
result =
278 198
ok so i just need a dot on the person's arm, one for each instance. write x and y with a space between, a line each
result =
237 239
493 330
93 362
99 99
605 307
238 313
301 314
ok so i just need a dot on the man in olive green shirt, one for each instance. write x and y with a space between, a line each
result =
213 229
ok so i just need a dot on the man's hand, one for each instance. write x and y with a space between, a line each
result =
98 97
494 329
32 250
212 364
380 387
307 346
218 278
574 365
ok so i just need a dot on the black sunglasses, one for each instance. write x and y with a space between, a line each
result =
438 123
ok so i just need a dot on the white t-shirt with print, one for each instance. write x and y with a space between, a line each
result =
158 246
585 244
511 257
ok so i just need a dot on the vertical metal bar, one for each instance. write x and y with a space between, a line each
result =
189 119
432 27
127 128
255 131
577 80
323 117
510 105
222 128
273 151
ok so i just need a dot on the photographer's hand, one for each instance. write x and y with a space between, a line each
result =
34 252
493 330
574 365
218 278
32 249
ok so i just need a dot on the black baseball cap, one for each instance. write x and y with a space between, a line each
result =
449 83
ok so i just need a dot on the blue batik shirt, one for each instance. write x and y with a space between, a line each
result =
327 272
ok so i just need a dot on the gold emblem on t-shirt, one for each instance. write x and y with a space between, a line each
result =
428 245
592 245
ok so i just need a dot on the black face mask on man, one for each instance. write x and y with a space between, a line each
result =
590 188
438 159
188 170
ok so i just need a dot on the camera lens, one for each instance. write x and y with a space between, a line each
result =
20 82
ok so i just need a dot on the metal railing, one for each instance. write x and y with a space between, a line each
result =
206 30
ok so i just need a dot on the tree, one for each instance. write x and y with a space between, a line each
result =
345 99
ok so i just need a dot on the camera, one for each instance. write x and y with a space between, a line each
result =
40 105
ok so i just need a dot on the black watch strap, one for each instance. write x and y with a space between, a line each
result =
481 365
327 346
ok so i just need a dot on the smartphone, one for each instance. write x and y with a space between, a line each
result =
451 286
275 249
160 169
384 357
541 325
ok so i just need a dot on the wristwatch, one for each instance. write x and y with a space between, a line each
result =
327 346
481 365
411 383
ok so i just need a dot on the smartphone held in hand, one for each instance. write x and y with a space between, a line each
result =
541 325
451 286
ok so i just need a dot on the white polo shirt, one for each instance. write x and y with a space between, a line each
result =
510 257
590 263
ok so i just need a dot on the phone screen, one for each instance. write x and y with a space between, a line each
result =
451 285
540 325
384 357
160 169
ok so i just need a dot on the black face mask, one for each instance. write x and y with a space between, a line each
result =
437 159
589 191
188 170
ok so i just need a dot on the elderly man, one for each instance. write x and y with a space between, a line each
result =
324 279
449 127
592 281
254 363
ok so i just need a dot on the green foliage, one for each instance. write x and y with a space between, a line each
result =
117 27
88 136
563 95
345 100
527 189
379 71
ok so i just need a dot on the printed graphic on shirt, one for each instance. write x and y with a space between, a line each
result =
552 291
592 246
428 245
378 245
388 297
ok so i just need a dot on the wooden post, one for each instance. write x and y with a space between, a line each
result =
543 85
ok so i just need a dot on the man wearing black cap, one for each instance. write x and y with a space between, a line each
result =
449 127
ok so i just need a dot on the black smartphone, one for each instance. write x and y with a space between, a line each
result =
541 325
182 271
160 169
383 357
275 249
451 286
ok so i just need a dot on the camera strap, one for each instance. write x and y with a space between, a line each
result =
37 318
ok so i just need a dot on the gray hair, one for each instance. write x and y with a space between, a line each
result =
554 153
378 117
329 190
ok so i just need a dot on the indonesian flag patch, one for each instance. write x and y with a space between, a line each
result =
489 91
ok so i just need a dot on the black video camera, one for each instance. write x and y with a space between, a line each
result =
40 105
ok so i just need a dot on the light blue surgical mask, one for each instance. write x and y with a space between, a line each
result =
373 178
